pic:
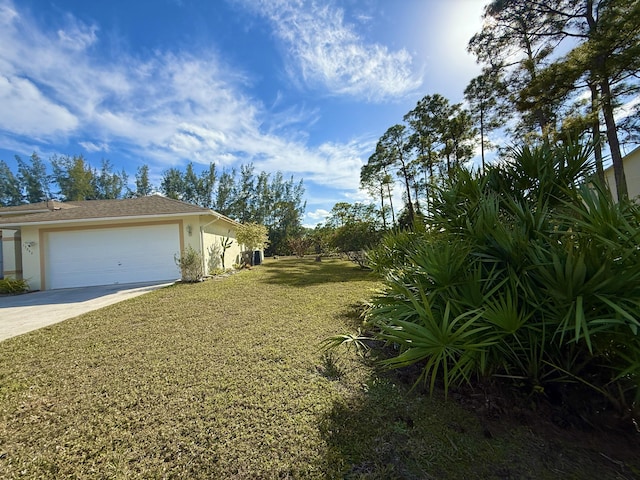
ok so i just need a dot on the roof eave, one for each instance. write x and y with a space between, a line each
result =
16 213
224 217
109 219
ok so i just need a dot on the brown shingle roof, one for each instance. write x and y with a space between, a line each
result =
98 209
33 207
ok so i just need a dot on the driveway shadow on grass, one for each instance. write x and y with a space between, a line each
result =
303 272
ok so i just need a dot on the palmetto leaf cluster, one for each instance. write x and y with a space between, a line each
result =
528 272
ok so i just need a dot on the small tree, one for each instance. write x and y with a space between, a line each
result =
253 236
190 265
225 244
355 237
300 245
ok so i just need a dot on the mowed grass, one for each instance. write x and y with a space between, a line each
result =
224 379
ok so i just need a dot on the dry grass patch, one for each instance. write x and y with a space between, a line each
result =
218 379
225 380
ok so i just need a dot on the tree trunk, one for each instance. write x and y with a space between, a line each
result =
412 213
427 190
393 213
595 132
384 217
598 70
539 114
431 183
614 144
482 133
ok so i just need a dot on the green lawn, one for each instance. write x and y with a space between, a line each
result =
224 379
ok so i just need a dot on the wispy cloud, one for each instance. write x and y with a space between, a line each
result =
94 147
318 214
327 51
315 217
163 109
28 112
77 36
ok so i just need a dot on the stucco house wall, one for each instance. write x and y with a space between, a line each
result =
30 253
133 238
34 238
632 173
11 252
213 234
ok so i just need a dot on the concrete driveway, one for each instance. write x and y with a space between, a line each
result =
23 313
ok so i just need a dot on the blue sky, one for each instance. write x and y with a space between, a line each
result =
304 87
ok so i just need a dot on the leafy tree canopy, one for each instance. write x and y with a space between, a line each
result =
253 236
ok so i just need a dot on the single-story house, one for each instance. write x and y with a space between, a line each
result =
100 242
631 164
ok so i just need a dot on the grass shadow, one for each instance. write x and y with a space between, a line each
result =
377 434
387 431
390 428
304 272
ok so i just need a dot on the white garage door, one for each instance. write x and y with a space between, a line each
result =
105 256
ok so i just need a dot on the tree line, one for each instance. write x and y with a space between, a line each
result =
241 194
244 195
512 278
70 179
560 95
527 87
437 136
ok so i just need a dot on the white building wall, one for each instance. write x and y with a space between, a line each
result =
213 235
33 259
632 173
23 256
10 254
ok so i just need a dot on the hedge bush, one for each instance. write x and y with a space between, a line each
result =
13 286
529 274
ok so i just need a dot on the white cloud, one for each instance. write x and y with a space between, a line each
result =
360 196
335 165
57 64
318 214
627 109
165 109
7 13
14 144
328 51
22 103
316 217
94 147
77 36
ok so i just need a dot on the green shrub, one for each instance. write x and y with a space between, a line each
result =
220 271
393 251
190 265
355 236
525 274
13 286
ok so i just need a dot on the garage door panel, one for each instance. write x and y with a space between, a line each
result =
111 255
